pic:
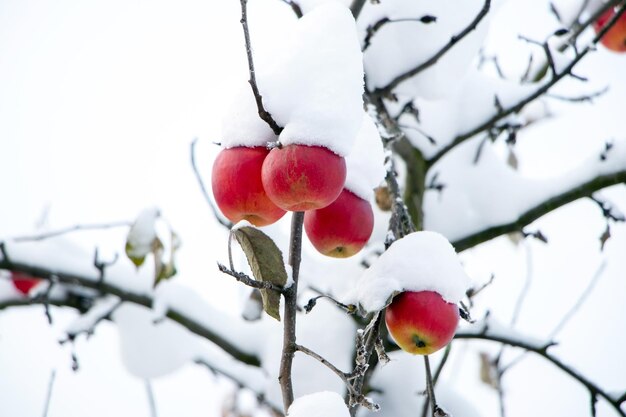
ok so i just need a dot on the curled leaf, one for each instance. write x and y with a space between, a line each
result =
266 263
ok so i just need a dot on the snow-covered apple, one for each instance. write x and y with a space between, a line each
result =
341 229
421 322
615 38
301 177
238 189
23 282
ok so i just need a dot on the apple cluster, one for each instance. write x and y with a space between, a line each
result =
259 185
615 38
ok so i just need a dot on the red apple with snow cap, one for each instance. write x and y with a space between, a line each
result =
301 177
238 189
341 229
421 322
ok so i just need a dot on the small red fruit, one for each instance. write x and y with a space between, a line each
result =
615 38
341 229
23 282
421 322
300 177
238 189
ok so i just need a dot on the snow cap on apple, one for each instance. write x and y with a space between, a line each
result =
420 280
319 404
420 261
313 87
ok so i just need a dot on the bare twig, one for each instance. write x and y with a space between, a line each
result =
342 375
46 406
289 316
70 229
373 29
295 7
224 222
151 399
356 7
250 282
263 113
383 91
579 99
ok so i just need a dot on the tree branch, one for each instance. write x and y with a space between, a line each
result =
289 315
70 229
520 342
127 296
536 94
250 282
263 114
583 190
435 58
224 222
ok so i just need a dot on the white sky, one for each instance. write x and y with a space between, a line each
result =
99 102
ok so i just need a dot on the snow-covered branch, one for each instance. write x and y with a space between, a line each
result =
435 58
540 91
486 330
536 211
191 312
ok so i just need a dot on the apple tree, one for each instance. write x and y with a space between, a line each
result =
378 193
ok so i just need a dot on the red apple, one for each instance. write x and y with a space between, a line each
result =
300 177
341 229
421 322
23 282
238 189
615 38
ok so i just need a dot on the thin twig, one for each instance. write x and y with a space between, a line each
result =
70 229
250 282
263 113
289 315
295 7
151 399
328 364
224 222
356 7
373 29
435 58
46 406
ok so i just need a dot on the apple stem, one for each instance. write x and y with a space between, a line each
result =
289 316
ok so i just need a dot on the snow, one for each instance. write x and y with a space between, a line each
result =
320 404
457 214
242 125
142 233
333 340
314 88
85 323
470 106
365 163
173 296
397 384
152 350
420 261
308 5
401 46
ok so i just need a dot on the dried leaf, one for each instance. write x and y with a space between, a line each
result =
266 263
487 371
